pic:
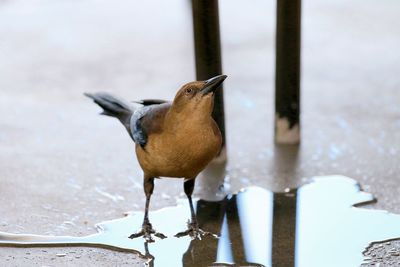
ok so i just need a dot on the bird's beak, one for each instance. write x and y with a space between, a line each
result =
212 84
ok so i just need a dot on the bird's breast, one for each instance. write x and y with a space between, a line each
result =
182 152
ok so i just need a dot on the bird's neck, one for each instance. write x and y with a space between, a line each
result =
187 120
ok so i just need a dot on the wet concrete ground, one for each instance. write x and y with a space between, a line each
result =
64 168
256 227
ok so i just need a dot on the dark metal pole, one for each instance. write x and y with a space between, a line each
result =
208 51
287 84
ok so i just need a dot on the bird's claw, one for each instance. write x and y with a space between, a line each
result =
195 232
146 231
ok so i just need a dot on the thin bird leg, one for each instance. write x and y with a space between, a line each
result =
147 228
189 192
193 227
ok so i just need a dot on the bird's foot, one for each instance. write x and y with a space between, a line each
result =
146 231
195 232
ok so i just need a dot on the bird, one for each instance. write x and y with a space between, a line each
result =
172 139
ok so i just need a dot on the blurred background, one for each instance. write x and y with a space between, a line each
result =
63 168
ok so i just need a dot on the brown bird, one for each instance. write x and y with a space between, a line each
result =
175 139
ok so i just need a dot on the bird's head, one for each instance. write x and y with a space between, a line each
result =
195 97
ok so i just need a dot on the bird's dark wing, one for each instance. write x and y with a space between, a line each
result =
148 102
148 120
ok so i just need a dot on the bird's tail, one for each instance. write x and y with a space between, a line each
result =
113 107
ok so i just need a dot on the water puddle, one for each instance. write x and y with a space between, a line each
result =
318 224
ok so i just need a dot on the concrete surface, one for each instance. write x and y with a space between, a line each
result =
64 168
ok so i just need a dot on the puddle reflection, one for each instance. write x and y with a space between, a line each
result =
319 224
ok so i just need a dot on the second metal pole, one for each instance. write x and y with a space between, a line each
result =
287 84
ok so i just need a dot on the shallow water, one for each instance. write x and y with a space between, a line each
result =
318 224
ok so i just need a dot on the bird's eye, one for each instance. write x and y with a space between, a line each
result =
188 90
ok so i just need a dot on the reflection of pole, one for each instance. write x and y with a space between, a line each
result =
287 83
209 216
284 229
235 233
230 247
208 51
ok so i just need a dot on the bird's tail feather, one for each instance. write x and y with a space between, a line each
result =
113 107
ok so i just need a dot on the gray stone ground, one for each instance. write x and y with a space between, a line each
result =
64 168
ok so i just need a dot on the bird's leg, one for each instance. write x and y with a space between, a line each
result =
193 227
147 228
